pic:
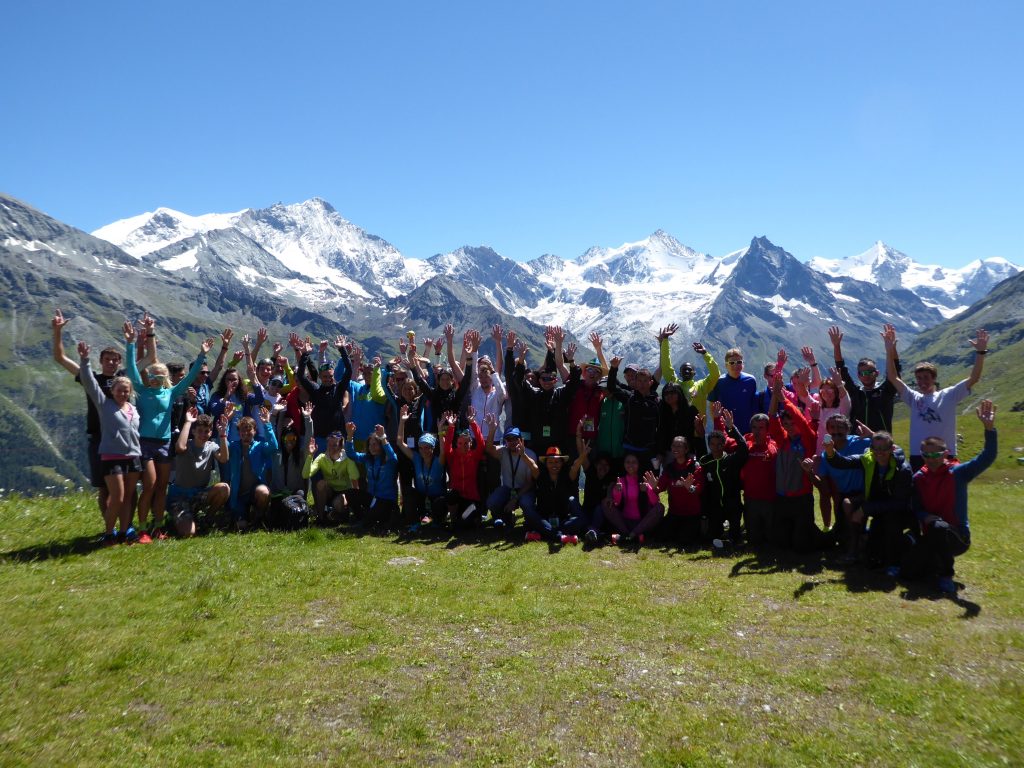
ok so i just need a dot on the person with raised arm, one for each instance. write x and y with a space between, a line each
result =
380 508
932 410
558 517
871 400
327 394
682 479
191 498
546 405
250 465
119 449
516 489
697 390
940 503
641 411
428 494
333 495
110 363
793 517
154 399
720 476
635 509
463 454
885 479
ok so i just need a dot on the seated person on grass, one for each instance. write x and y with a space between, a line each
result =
597 485
885 478
558 516
635 509
339 479
190 495
516 489
249 466
380 502
940 503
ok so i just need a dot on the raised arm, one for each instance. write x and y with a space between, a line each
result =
980 345
403 416
59 357
889 339
499 349
597 343
225 345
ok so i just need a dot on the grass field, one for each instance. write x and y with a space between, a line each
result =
319 647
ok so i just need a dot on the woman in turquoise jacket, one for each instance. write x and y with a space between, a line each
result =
154 398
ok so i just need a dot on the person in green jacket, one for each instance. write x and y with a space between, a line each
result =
696 390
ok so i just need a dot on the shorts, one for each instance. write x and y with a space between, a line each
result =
96 472
121 466
155 449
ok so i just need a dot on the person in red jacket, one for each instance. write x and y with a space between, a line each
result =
758 479
463 453
682 478
793 517
940 504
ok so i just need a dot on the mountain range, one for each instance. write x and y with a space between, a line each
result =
304 267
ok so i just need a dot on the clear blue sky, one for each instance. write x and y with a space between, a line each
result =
533 127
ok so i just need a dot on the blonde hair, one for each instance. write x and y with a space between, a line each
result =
123 380
159 371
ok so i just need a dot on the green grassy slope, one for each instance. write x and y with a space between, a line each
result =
323 648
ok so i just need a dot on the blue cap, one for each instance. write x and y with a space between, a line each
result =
427 439
512 432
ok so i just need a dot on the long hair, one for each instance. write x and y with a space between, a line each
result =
222 385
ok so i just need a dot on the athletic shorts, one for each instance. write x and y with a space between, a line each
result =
121 466
95 463
154 449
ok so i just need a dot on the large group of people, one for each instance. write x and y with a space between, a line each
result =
442 437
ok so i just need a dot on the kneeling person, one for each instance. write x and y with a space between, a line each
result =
339 478
191 495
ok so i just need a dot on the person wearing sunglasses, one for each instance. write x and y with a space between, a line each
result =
736 390
871 400
940 503
885 480
933 411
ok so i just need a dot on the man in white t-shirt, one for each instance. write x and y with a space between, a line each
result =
932 410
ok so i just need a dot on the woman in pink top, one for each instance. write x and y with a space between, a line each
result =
635 508
831 399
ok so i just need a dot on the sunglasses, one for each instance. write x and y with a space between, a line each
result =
867 372
548 378
932 454
336 436
734 362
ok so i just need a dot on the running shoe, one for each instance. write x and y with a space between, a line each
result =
159 534
590 536
533 536
570 539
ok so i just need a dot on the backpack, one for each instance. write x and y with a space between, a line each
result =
288 512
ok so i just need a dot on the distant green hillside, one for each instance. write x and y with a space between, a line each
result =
33 461
1001 313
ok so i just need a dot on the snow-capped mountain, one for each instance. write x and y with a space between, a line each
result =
310 239
948 290
308 255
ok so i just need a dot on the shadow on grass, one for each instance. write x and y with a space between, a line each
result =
78 546
923 590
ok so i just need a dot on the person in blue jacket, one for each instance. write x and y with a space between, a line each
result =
249 468
381 463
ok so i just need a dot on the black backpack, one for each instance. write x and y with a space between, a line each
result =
288 512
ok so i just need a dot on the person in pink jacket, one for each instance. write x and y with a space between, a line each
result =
635 508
